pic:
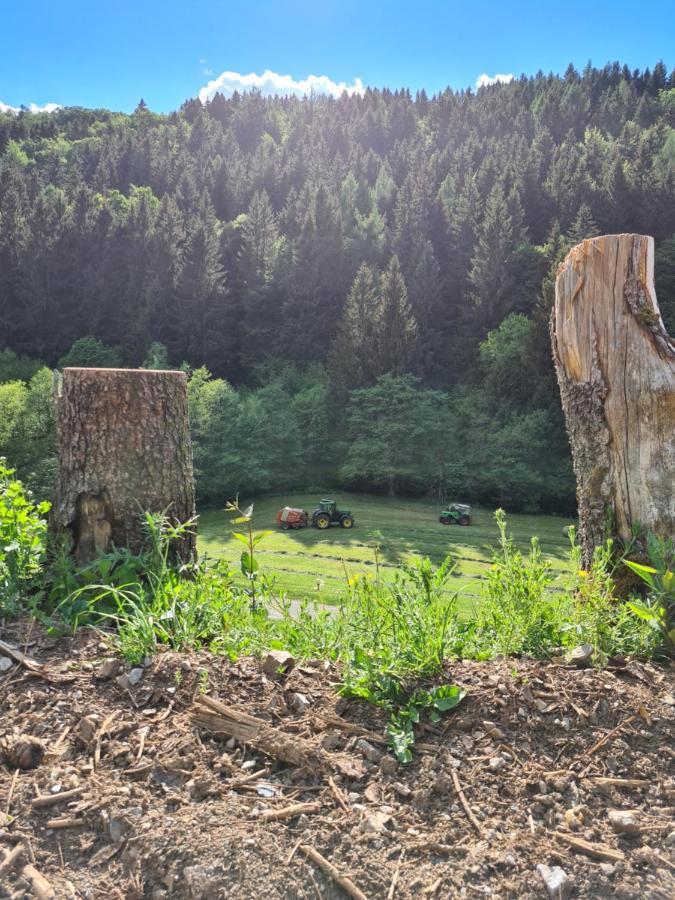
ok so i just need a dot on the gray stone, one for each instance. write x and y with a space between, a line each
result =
670 840
496 763
368 751
109 669
5 663
558 883
624 821
581 657
135 676
298 703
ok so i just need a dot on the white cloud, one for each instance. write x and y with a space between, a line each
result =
271 84
33 107
485 80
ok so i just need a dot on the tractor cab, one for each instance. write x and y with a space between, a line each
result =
327 514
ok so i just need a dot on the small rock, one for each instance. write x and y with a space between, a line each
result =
581 657
366 749
558 883
117 828
670 840
298 703
373 793
607 869
86 729
135 676
330 740
109 669
496 763
388 765
55 789
278 662
624 821
496 734
5 663
442 786
248 765
401 789
374 822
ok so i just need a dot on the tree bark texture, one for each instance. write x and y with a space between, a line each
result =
124 448
616 370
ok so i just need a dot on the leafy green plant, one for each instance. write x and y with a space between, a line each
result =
400 731
517 613
23 531
249 564
658 608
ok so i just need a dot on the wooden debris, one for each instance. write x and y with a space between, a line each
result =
215 716
610 734
65 822
288 812
627 783
596 851
99 737
462 799
12 857
397 874
329 869
41 888
52 799
294 849
23 752
337 793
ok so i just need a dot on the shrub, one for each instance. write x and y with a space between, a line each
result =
23 531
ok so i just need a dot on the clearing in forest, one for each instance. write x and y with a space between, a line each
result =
389 531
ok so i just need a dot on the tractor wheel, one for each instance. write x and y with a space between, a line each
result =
464 520
347 521
322 521
444 520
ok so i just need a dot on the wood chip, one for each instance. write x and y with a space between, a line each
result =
65 822
288 812
596 851
43 800
42 889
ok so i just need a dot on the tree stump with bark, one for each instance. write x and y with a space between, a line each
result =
616 370
124 448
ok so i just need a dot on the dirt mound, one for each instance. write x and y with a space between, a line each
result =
540 766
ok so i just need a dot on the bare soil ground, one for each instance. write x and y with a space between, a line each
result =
542 755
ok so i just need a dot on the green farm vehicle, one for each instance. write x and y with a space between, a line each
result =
456 514
327 514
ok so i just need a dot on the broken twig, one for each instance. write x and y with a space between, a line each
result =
329 869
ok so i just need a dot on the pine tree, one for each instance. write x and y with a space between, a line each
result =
583 226
398 328
353 358
492 275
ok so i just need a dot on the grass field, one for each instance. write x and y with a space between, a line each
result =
314 564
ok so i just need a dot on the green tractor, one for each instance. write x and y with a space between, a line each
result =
328 514
456 514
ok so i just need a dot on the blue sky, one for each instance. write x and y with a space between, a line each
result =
112 52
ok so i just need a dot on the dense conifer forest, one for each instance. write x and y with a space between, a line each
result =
359 288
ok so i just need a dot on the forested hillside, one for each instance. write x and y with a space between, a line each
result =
361 287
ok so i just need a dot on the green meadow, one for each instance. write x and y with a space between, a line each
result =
389 531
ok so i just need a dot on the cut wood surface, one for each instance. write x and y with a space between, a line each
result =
616 370
124 447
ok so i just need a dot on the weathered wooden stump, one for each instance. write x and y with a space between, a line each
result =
124 447
616 370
